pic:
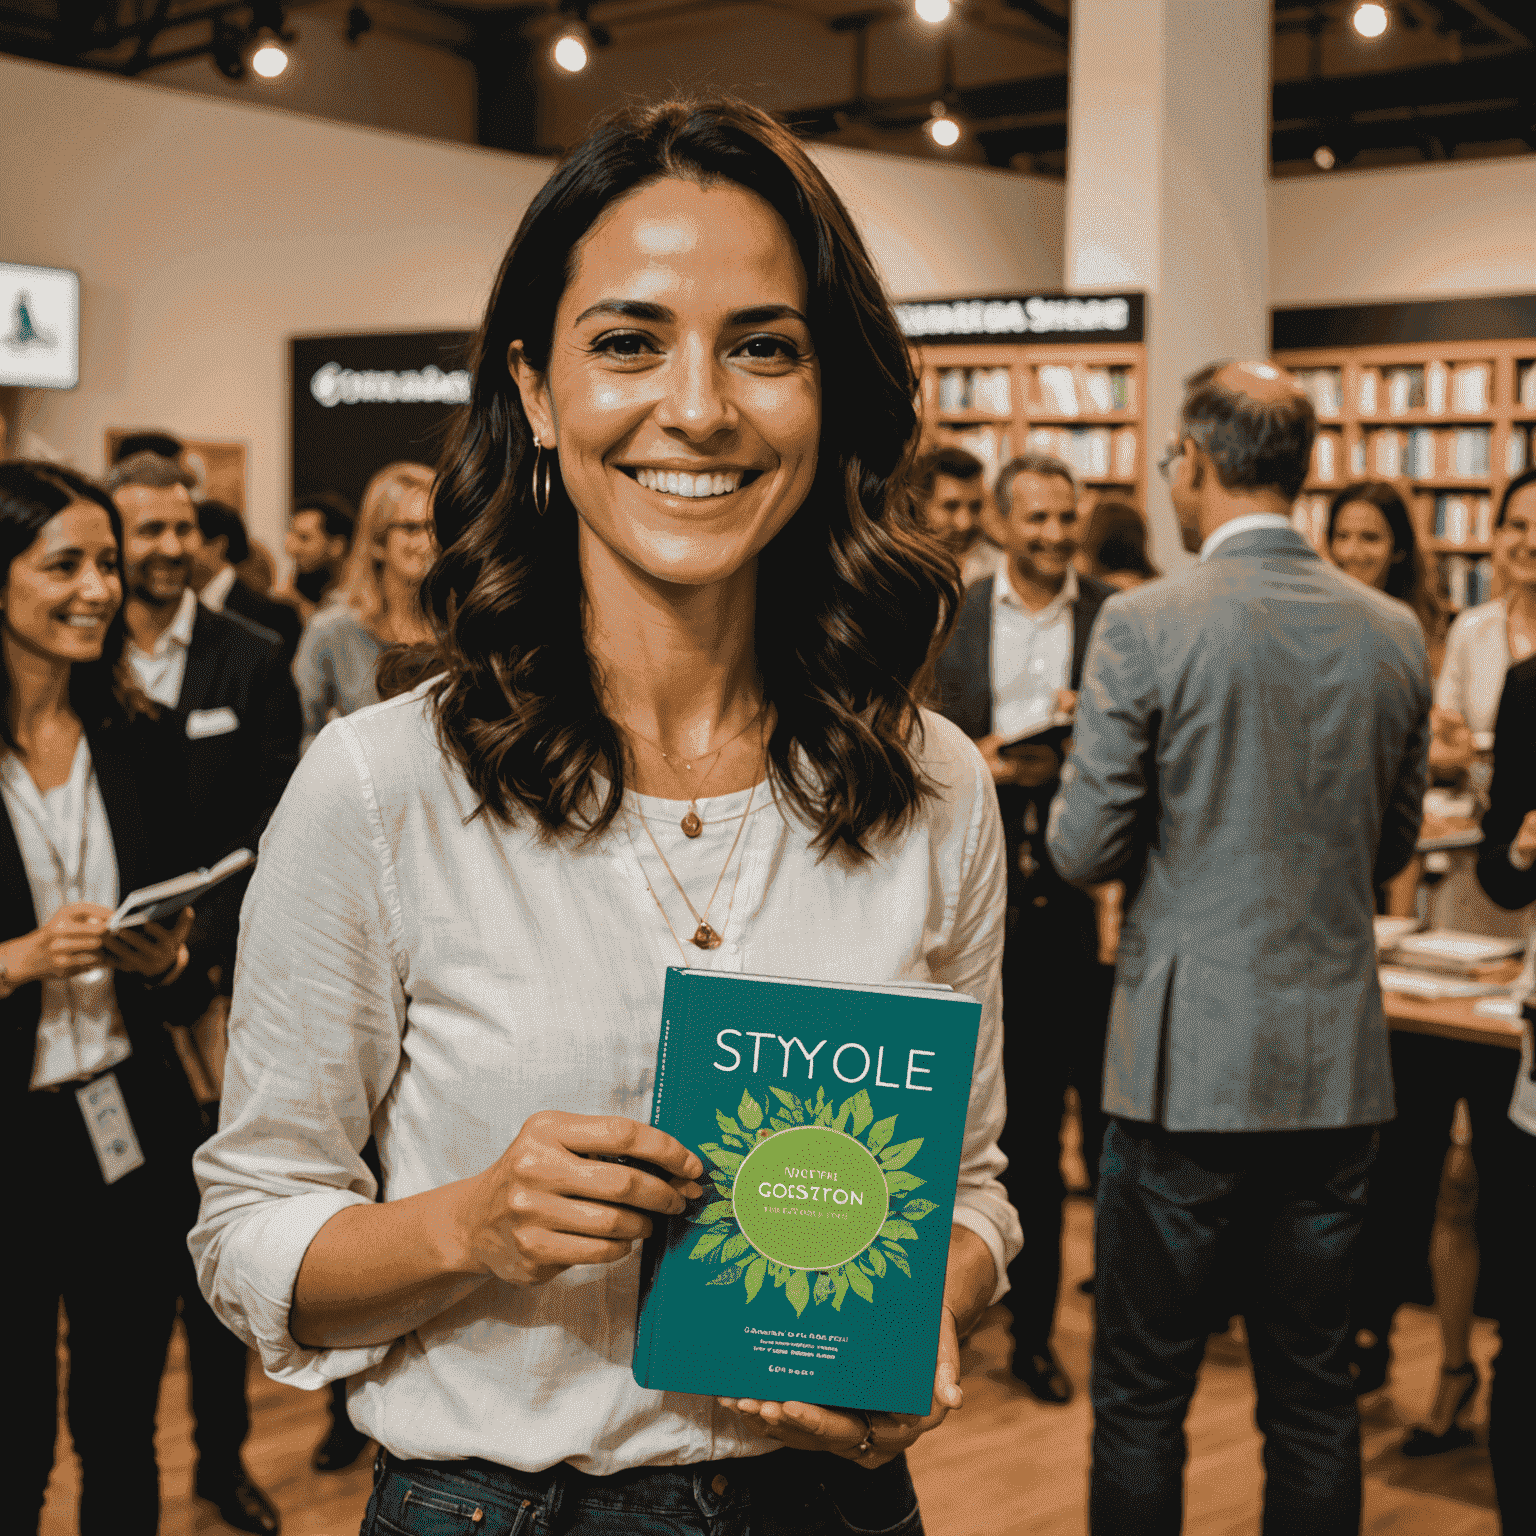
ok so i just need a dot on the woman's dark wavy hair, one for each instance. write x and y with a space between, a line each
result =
32 493
859 592
1408 574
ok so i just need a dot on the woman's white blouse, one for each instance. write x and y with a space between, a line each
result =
434 979
79 1028
1476 659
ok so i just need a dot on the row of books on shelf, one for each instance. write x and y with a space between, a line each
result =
1468 581
1055 389
1525 385
1461 389
1425 453
1519 453
1463 519
1095 453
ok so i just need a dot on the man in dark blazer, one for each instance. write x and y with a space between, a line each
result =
1013 665
1254 731
223 547
227 680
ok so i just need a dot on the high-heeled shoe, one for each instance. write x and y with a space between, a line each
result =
1422 1441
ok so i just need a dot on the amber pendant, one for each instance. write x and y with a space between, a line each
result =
691 824
706 937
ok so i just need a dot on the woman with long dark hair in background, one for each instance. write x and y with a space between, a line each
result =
1370 536
683 616
99 1117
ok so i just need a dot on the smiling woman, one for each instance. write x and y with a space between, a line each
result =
683 615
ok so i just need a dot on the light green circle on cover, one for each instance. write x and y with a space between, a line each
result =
810 1197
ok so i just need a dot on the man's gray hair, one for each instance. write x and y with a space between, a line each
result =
149 469
1031 464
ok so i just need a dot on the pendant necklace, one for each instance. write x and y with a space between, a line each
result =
692 823
703 936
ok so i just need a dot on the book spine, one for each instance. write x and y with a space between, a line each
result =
651 1296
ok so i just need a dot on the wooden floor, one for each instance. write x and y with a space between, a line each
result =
1004 1466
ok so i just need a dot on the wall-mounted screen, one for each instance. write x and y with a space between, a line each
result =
39 326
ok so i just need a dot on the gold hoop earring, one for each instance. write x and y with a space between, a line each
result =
543 477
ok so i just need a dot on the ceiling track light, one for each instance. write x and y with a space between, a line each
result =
934 12
577 39
1371 20
942 127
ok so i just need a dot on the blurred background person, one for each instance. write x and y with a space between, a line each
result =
1506 867
227 680
377 602
1371 537
1257 704
319 537
90 809
1114 547
216 563
1013 666
952 491
1484 641
164 444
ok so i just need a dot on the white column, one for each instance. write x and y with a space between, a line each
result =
1167 179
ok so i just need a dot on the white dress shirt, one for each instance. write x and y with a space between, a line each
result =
1248 523
216 591
159 671
66 849
1476 659
1031 654
436 979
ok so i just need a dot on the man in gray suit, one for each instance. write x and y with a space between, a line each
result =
1251 742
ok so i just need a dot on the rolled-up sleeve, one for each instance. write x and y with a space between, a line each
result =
971 962
314 1043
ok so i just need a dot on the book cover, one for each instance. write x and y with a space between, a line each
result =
829 1119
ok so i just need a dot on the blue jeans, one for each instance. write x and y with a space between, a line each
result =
786 1493
1191 1227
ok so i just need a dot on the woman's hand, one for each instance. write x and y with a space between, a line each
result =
550 1201
1524 845
152 950
809 1427
68 944
1450 744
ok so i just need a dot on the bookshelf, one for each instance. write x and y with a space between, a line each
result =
1083 402
1449 422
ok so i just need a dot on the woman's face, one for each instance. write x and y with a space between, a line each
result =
683 392
1514 541
409 544
64 588
1362 543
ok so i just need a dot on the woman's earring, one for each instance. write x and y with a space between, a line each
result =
542 476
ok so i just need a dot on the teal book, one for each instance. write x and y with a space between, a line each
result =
829 1118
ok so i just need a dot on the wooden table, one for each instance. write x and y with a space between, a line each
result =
1453 1017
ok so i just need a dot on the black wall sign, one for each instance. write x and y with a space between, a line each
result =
360 402
1505 318
1028 318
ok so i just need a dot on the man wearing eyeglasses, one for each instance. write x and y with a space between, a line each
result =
1252 741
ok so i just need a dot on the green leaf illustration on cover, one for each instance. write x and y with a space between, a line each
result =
817 1198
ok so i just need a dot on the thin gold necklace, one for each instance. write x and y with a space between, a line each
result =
704 936
692 823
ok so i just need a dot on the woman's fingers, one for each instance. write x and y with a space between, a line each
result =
617 1136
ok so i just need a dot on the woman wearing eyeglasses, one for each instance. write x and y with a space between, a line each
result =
377 602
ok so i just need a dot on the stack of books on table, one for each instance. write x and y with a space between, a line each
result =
1442 963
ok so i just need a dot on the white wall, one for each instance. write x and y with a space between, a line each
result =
1443 231
207 232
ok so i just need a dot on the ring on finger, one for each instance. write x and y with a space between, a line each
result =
867 1444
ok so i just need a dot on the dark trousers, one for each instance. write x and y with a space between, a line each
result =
216 1363
109 1254
1508 1196
1188 1223
1054 1026
1428 1076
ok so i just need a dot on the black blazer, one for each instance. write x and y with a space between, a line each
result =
963 673
140 769
1513 791
240 715
281 618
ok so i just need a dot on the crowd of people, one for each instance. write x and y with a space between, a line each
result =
678 550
